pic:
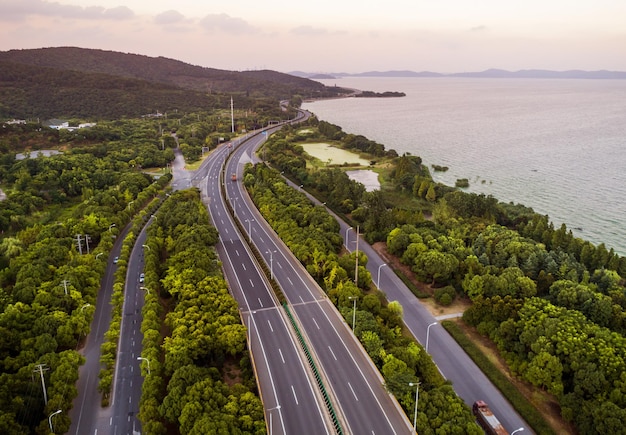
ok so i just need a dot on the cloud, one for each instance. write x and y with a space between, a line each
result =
479 29
12 10
170 17
227 24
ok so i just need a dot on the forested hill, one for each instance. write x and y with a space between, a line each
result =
40 81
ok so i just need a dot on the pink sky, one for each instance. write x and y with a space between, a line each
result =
333 36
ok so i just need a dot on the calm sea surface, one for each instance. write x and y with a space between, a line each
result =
558 146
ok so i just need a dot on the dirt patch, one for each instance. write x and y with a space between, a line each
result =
231 372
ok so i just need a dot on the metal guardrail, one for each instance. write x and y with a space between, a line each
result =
318 378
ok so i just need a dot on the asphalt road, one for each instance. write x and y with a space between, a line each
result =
87 416
468 381
292 402
357 385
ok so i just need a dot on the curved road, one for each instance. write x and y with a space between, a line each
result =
468 381
292 402
357 385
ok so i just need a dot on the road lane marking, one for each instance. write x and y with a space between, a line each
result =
260 303
279 265
294 395
352 389
318 326
332 353
301 299
252 284
281 355
270 324
290 281
244 266
237 252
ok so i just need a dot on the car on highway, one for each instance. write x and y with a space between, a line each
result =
142 277
116 259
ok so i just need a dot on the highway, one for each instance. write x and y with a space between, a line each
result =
357 385
120 417
292 401
86 406
468 381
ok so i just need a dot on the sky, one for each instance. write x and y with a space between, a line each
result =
333 35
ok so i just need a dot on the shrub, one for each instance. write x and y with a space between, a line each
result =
445 295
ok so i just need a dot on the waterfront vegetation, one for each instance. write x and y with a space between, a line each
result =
553 304
333 156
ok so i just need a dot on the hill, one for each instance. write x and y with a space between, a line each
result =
72 81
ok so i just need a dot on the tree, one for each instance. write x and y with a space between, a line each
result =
545 370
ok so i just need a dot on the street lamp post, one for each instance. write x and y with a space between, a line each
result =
146 246
128 207
378 280
271 263
249 229
98 254
139 358
111 226
353 298
58 411
417 391
84 306
347 229
517 430
145 288
428 334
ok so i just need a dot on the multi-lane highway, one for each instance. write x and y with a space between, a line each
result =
469 382
87 416
292 401
366 406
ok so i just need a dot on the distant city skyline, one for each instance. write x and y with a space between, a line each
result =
420 35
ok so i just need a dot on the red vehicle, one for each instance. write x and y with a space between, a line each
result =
487 420
233 177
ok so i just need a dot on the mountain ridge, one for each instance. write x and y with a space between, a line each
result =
489 73
91 83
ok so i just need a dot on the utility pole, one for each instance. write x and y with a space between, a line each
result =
356 268
40 369
80 244
65 283
232 116
87 239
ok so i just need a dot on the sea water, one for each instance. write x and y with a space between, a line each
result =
556 145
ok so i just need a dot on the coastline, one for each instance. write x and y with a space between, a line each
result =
511 139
